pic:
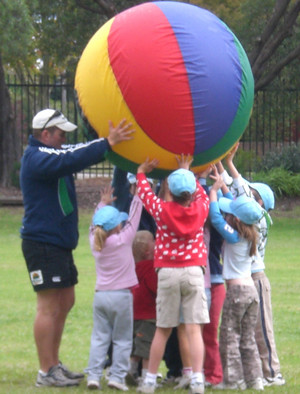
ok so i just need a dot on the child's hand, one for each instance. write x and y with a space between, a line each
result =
147 166
107 195
205 172
184 161
231 154
217 178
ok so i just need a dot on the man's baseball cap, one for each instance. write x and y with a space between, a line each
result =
51 117
266 194
180 181
243 207
109 217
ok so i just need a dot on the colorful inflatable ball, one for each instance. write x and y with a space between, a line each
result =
175 71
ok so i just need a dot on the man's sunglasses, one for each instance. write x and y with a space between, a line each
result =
56 114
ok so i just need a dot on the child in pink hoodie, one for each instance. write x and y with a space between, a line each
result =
111 245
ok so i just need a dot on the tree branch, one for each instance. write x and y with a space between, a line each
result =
272 74
103 7
277 39
279 10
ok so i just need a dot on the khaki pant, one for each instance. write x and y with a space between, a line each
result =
238 349
264 333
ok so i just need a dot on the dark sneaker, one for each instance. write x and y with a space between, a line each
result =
69 374
55 377
132 379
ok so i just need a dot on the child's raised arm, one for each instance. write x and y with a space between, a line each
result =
229 161
107 195
147 166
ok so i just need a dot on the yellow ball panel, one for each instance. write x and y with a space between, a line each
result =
95 83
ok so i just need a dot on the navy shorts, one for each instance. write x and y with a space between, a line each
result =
49 266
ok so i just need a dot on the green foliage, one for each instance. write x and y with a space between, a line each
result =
287 157
15 175
281 181
245 161
16 31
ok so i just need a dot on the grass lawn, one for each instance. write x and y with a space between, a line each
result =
18 360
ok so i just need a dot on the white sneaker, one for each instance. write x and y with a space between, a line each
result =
117 385
147 388
93 385
256 384
197 388
276 381
183 382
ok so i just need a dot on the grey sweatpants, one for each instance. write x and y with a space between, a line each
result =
113 322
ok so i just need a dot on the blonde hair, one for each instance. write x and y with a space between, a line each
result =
249 232
100 236
140 246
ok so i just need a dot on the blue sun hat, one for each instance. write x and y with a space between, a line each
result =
180 181
132 179
266 194
109 217
243 207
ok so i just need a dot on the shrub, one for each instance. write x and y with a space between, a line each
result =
287 157
281 181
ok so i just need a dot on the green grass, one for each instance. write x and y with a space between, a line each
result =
18 360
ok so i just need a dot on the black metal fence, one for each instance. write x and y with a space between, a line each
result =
275 120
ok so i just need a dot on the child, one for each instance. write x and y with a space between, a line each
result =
239 354
212 363
111 246
179 254
143 304
264 334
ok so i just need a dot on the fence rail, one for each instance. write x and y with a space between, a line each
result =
275 119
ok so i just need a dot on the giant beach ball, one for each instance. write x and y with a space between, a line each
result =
177 73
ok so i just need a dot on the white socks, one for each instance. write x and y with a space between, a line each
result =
150 378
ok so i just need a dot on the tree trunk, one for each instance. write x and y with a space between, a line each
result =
10 143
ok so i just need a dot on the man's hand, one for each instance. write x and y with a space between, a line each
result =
122 132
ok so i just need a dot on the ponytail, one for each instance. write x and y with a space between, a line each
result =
249 232
100 236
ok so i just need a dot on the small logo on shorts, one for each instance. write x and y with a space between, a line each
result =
56 279
36 277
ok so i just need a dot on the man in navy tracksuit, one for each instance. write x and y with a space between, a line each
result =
50 229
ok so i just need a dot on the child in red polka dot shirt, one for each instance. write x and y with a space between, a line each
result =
180 259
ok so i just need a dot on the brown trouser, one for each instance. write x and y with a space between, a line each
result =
238 349
264 332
